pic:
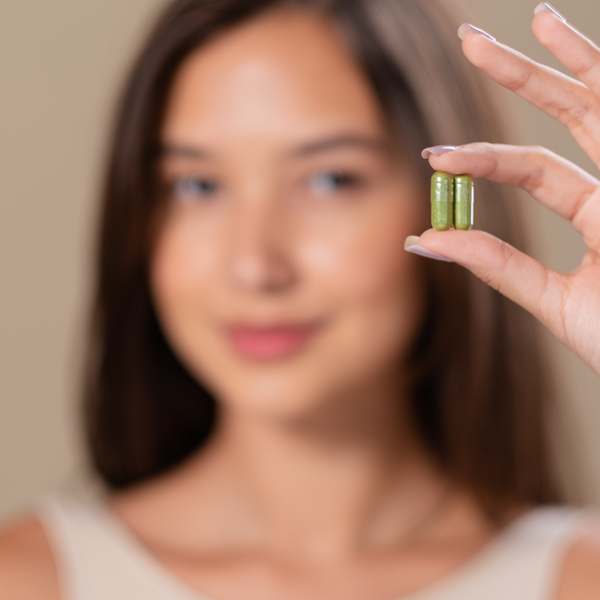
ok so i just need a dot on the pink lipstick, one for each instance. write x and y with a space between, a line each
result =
270 343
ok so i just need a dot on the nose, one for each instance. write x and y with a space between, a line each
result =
261 259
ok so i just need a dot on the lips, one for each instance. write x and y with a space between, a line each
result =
269 343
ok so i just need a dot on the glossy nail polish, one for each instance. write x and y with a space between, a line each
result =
544 6
412 245
466 27
437 150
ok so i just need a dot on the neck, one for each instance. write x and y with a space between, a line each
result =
345 478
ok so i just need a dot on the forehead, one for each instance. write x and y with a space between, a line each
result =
286 73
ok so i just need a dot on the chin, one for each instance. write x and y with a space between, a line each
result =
278 394
295 390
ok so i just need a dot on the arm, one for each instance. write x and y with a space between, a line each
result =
580 577
27 570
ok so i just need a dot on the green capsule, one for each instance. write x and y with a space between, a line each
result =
442 204
464 202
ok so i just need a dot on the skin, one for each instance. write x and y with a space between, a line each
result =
273 243
314 477
566 304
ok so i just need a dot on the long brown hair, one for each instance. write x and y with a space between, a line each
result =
480 386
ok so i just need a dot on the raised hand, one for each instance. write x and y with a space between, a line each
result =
568 305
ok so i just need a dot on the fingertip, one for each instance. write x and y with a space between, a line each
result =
452 243
466 28
429 235
545 8
411 240
438 151
475 48
546 26
431 255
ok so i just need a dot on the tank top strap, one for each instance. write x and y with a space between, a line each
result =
523 563
97 558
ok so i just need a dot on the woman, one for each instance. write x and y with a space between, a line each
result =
283 403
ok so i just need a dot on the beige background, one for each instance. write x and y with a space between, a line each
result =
61 62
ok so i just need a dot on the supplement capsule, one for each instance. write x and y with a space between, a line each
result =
464 200
442 203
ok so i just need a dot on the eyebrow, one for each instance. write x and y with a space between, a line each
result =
342 141
315 147
171 151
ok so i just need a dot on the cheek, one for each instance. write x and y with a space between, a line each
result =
364 270
364 258
183 267
177 264
353 268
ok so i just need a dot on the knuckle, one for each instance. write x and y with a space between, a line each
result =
504 258
591 235
533 180
506 253
495 277
540 160
541 152
590 62
486 147
518 80
574 116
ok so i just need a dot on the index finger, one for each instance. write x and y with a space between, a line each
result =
557 183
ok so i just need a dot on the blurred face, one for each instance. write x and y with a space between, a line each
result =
279 273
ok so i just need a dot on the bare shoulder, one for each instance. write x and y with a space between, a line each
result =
580 579
27 569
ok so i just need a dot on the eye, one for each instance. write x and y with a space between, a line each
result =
193 188
327 182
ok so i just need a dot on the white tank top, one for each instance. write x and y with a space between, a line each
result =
99 559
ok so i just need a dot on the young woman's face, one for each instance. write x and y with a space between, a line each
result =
279 273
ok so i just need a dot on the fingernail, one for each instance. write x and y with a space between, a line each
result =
437 150
466 27
545 6
412 245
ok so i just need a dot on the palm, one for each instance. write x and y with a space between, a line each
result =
577 323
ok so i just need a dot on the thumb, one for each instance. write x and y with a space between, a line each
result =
509 271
